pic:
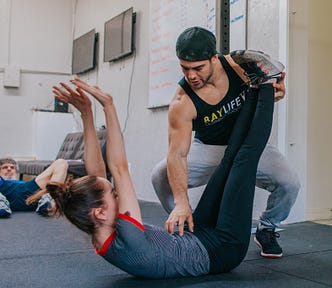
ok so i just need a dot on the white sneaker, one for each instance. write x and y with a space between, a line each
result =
44 204
259 67
5 210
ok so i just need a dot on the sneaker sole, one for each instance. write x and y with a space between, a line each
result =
271 256
5 213
245 56
42 209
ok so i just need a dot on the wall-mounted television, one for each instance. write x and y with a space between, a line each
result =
84 56
119 36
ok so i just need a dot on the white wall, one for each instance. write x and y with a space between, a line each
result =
319 199
266 22
297 96
309 119
36 37
145 131
39 38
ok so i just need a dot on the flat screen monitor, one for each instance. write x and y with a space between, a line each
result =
118 36
84 52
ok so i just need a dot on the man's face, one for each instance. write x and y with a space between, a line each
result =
8 171
197 73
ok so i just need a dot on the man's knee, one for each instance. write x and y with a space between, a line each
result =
274 171
159 173
288 179
292 186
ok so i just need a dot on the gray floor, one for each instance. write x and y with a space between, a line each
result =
42 252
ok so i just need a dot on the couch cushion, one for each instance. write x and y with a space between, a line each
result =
72 149
79 154
70 146
33 167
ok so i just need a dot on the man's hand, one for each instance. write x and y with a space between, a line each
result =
279 88
181 213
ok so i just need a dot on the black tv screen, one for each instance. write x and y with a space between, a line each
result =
118 36
84 52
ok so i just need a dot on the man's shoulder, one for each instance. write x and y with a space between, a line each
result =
181 105
179 96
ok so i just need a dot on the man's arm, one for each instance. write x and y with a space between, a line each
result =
181 113
279 88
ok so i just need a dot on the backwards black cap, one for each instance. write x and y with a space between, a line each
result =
196 44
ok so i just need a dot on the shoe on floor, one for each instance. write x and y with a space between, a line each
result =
5 210
44 204
266 240
259 67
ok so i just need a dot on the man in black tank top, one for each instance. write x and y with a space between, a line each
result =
208 101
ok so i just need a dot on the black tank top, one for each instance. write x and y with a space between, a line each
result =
214 123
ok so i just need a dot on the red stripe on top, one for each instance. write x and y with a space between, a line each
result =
132 220
109 240
107 243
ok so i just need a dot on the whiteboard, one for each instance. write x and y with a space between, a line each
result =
238 25
168 18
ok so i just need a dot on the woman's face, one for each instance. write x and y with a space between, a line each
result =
110 198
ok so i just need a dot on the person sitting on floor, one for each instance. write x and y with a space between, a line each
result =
13 192
112 216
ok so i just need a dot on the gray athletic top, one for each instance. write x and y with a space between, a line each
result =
150 252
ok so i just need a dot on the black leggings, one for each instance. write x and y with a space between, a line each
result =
223 215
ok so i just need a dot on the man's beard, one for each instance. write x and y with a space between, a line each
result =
204 81
10 177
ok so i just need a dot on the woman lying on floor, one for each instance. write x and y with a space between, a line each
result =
113 218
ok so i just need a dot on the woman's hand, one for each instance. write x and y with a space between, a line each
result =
77 98
102 97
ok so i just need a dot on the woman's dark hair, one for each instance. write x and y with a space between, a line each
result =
76 199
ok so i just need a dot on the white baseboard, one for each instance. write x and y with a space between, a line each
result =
318 214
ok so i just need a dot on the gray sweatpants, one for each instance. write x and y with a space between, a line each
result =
274 174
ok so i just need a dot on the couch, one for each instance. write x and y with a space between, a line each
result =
72 150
